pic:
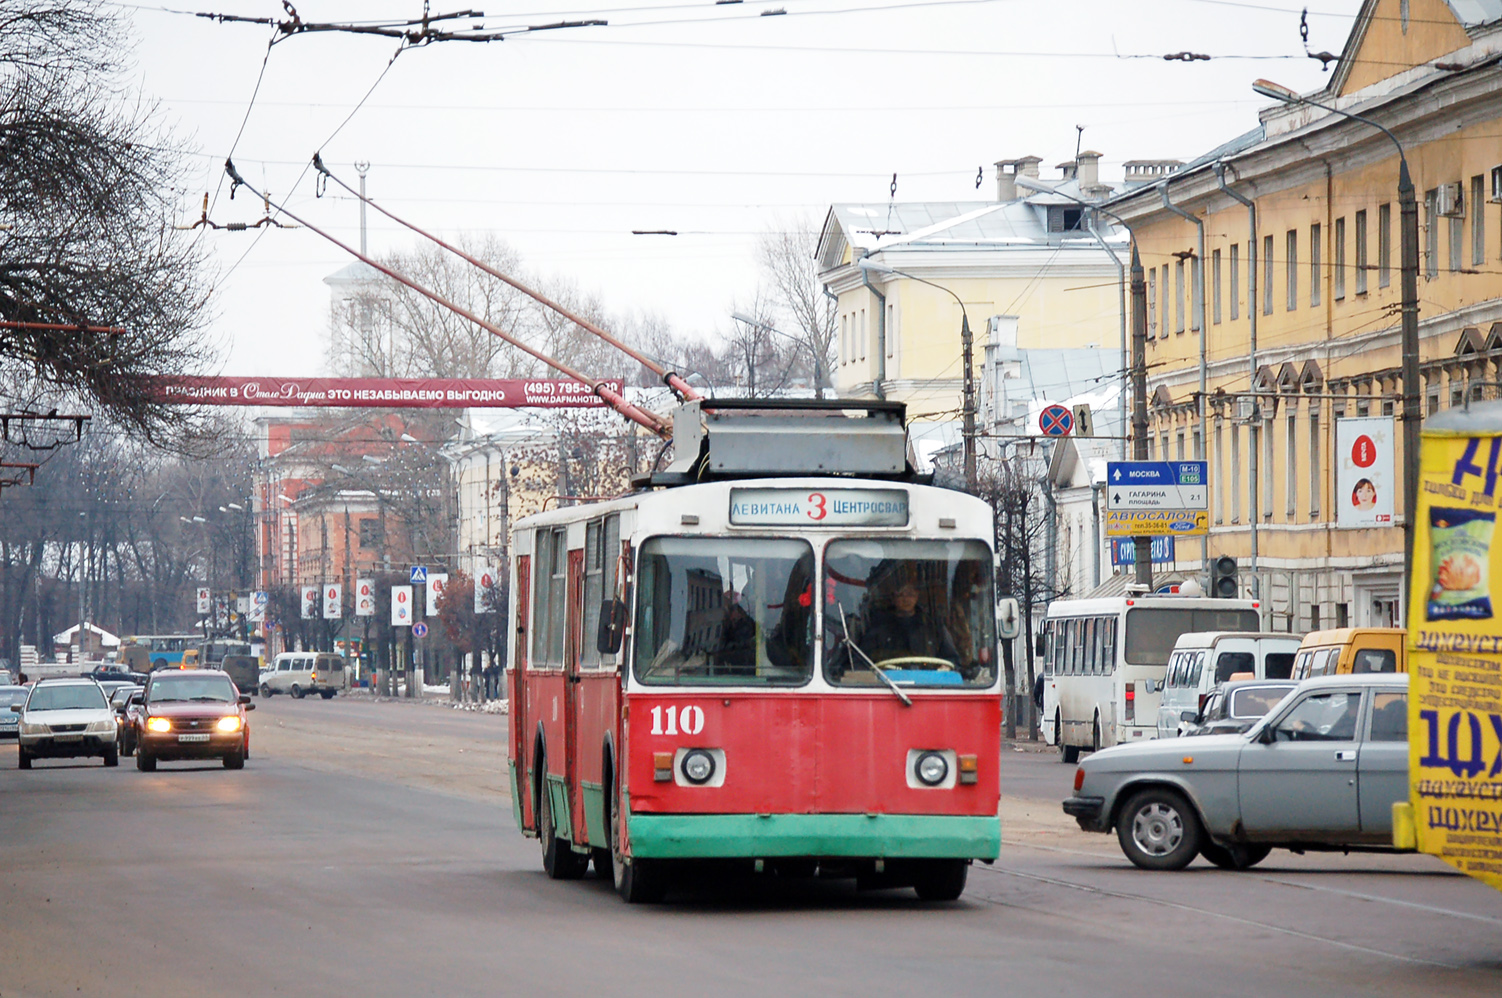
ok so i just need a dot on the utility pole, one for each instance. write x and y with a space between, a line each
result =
966 352
1143 545
1412 415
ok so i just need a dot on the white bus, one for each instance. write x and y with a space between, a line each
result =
1104 662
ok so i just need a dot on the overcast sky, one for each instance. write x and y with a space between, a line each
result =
708 119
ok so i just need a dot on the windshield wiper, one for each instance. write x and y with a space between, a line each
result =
845 636
213 699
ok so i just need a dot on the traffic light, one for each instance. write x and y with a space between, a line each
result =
1223 581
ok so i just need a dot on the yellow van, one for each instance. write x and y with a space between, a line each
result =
1348 650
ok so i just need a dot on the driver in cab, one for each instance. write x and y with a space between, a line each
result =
904 630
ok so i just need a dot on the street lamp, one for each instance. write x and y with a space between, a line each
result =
1412 414
968 405
818 361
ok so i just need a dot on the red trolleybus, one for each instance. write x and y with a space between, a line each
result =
796 673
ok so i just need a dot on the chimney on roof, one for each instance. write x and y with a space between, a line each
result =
1028 166
1140 172
1007 172
1087 171
1068 170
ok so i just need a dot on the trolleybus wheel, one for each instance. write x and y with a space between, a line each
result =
1234 857
639 881
1067 753
942 879
558 857
1158 830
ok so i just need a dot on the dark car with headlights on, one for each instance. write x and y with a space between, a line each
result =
192 714
1320 772
1233 707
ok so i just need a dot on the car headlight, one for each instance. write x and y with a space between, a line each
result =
697 767
102 727
158 724
33 728
931 768
230 723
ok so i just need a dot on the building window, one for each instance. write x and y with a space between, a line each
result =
1235 282
1384 245
1267 465
1316 279
844 338
1291 464
1457 240
370 533
1291 265
891 328
1163 312
1361 267
1478 221
1198 442
1431 234
1267 275
1433 402
1220 470
1215 276
1235 471
1152 447
1340 259
863 334
1152 302
1457 396
1166 451
1314 479
1178 296
1179 453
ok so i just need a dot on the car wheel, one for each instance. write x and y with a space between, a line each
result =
558 857
1234 857
1067 753
145 761
296 692
942 879
1158 830
23 759
112 755
328 694
234 760
266 691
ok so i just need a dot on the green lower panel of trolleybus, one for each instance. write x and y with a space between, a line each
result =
725 836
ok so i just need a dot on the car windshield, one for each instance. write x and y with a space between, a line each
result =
72 697
724 612
1152 631
921 611
8 697
1256 701
207 688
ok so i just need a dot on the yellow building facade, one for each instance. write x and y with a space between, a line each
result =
1301 250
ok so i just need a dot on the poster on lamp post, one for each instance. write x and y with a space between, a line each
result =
436 583
1365 481
333 601
365 597
205 600
485 581
401 606
309 602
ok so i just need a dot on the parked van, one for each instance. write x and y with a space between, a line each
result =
1201 661
302 672
1348 650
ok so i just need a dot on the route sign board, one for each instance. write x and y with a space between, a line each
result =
419 575
1157 485
419 630
1157 522
1056 421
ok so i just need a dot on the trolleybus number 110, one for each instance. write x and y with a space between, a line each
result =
689 719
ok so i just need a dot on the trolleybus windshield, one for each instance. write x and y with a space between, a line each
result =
725 612
921 611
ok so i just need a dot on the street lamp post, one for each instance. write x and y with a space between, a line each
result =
1409 282
966 351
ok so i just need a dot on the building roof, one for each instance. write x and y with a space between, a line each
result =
106 639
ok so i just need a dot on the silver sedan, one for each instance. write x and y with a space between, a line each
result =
1321 771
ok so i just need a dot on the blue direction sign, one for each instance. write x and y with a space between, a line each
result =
419 630
1056 421
419 575
1157 485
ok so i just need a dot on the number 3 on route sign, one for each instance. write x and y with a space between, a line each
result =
1055 421
419 630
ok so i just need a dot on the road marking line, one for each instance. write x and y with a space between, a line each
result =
1088 889
1376 897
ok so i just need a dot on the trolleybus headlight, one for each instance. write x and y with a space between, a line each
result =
931 768
697 767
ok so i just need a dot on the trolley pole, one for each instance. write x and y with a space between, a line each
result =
1143 545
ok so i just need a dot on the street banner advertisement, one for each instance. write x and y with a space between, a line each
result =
333 601
436 582
365 597
204 600
1365 482
1455 648
484 582
309 602
384 393
1124 551
401 606
1157 523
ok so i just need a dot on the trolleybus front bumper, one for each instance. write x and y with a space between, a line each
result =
733 836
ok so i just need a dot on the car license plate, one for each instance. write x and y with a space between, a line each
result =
67 738
192 738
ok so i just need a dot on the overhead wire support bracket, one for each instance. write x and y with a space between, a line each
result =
680 387
413 32
659 425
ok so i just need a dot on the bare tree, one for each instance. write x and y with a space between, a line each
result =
101 294
789 267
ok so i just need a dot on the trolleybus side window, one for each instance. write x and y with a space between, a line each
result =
724 612
917 609
1110 644
548 602
602 548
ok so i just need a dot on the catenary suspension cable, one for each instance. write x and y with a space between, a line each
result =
657 424
670 378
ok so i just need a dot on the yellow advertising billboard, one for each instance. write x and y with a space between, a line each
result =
1455 647
1157 523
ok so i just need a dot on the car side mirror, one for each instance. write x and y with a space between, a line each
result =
248 704
244 699
16 708
1190 716
120 709
612 629
1008 618
1267 736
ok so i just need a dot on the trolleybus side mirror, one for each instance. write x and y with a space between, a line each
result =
1040 646
1008 618
612 627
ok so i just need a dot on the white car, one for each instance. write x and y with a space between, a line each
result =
65 718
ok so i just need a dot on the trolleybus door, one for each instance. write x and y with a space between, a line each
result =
521 745
573 649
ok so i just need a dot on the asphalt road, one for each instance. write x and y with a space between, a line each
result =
283 878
